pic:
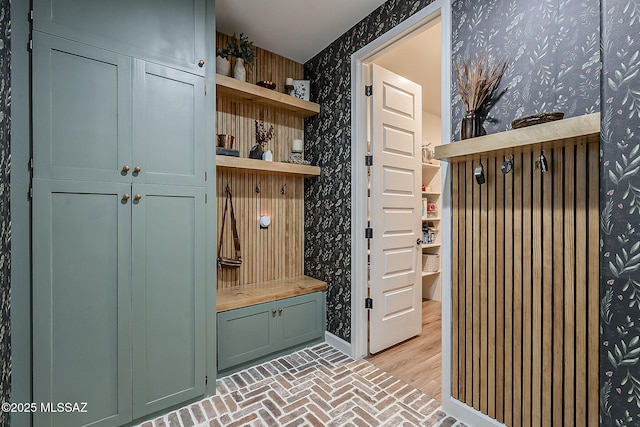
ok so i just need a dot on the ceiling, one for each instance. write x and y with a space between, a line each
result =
300 29
295 29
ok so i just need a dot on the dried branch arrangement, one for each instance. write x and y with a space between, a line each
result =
263 136
477 78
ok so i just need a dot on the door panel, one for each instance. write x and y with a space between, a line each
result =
171 32
244 334
81 301
300 319
395 283
168 256
169 110
81 111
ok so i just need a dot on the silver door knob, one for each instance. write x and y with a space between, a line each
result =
280 311
201 63
273 312
419 241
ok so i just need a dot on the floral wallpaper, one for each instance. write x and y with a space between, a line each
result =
620 215
5 217
553 50
328 145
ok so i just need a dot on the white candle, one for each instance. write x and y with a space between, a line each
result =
297 146
288 81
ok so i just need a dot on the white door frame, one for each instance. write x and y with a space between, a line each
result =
359 321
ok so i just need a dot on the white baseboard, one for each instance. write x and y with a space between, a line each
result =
467 414
338 343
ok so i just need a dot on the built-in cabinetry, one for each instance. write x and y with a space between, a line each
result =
267 305
431 228
119 224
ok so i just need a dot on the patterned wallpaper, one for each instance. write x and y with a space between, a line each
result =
328 144
620 216
553 49
5 219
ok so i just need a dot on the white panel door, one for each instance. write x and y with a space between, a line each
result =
395 280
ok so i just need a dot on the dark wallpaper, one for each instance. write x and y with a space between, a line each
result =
553 50
328 145
5 218
620 216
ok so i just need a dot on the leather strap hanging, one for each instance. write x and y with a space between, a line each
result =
225 262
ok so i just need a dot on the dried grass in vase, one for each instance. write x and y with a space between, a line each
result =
477 78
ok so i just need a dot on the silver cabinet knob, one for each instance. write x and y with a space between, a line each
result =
201 63
419 241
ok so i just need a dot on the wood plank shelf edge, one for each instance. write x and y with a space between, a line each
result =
231 162
230 87
571 131
257 293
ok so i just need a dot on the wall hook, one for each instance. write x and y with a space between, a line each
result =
227 189
507 165
541 163
283 190
257 189
479 174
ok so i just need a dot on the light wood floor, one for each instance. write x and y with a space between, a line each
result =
418 361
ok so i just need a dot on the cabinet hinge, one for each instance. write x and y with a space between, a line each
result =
368 233
30 45
205 89
31 163
206 198
206 176
31 15
368 303
30 192
368 90
368 160
206 379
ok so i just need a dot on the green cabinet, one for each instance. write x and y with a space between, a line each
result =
252 333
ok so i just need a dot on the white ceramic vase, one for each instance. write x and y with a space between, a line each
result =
239 72
223 66
267 156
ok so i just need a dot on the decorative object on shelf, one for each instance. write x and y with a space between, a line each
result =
226 152
477 79
541 163
427 152
296 156
244 51
267 156
223 65
268 84
297 146
431 262
225 141
226 262
507 165
263 136
536 119
301 89
479 174
288 86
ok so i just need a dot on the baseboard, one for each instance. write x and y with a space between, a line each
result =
338 343
467 414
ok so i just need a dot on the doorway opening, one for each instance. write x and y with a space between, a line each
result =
415 50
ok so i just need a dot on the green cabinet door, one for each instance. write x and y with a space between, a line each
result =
300 319
170 32
81 111
168 284
82 301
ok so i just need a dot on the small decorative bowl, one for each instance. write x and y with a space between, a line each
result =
267 84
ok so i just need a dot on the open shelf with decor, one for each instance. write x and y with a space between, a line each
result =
271 167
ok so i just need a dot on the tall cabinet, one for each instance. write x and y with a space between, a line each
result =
120 242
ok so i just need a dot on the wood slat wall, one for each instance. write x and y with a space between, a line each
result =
525 288
276 252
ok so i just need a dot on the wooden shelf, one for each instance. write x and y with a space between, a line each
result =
230 87
430 273
257 293
231 162
430 193
571 131
431 245
424 218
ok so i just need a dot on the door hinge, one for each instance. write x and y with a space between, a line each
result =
206 198
31 163
206 379
368 90
368 233
368 160
30 192
31 15
30 45
205 89
206 175
368 303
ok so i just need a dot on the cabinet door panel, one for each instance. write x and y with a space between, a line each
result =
168 132
168 264
301 319
81 111
245 334
81 301
170 32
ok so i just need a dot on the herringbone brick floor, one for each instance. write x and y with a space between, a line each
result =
317 386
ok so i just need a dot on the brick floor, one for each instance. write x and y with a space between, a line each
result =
317 386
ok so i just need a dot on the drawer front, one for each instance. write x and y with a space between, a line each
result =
301 319
245 334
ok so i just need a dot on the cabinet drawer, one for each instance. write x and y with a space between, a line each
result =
245 334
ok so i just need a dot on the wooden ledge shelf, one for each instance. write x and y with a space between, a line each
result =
231 162
572 131
257 293
232 88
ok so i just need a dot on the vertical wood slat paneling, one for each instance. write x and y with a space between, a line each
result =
527 310
275 252
455 303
